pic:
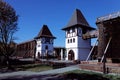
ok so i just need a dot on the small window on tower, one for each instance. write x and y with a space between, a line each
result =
47 40
68 31
46 47
38 45
79 32
73 30
68 40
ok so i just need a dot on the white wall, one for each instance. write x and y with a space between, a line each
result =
83 53
80 47
84 43
71 45
40 47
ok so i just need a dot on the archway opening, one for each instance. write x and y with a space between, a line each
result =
71 55
39 55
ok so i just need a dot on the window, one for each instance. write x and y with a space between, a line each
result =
68 40
68 31
46 47
79 32
51 41
38 45
73 30
73 40
43 40
47 40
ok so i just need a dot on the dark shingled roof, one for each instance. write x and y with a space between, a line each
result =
78 20
44 32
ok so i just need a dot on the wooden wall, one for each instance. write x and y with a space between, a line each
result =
26 49
107 29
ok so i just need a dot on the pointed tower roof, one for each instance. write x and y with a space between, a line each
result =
77 19
44 32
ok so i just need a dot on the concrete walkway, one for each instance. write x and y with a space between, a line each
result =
60 70
29 73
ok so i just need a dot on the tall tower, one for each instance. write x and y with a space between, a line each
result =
44 42
76 47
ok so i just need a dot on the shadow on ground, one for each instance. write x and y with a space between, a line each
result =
69 76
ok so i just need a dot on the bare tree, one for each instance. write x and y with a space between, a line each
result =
8 26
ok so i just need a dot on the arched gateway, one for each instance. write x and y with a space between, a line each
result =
71 55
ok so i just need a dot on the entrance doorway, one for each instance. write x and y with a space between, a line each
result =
71 55
39 55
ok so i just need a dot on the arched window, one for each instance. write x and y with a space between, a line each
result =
68 40
73 40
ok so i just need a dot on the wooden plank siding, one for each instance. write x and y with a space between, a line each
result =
26 49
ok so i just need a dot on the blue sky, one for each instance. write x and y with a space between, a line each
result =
33 14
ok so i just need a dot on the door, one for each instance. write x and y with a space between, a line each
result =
71 55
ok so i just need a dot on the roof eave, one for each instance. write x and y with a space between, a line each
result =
79 25
45 37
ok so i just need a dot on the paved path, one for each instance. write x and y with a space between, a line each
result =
60 70
29 73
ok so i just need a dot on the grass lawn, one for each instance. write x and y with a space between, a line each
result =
93 74
40 68
33 67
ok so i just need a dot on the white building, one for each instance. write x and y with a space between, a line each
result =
77 48
44 42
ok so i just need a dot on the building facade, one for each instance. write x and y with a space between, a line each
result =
41 45
77 48
44 42
109 44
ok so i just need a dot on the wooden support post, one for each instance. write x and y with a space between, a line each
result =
106 49
92 50
104 65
